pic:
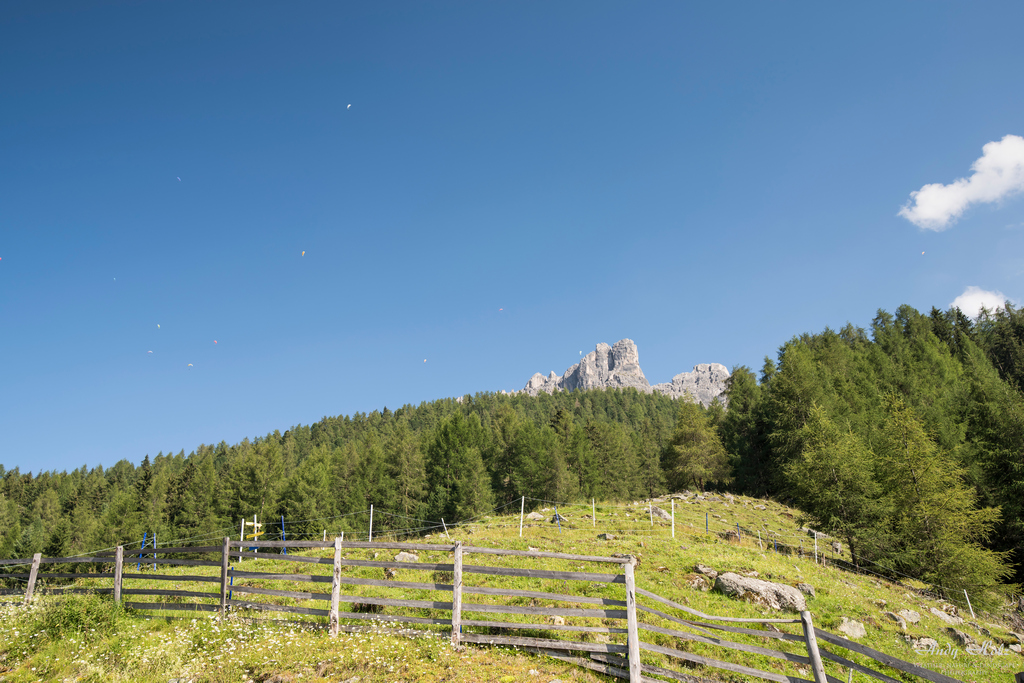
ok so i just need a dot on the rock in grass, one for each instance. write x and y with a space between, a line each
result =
406 557
774 595
948 618
959 637
806 589
706 571
535 516
697 582
852 628
900 621
910 615
606 537
661 514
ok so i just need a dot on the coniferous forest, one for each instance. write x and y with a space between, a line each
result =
906 440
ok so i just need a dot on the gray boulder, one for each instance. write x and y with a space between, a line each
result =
853 629
959 637
534 516
910 615
774 595
606 537
406 557
900 621
948 618
706 571
661 514
806 588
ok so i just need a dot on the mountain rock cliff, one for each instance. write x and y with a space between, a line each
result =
619 366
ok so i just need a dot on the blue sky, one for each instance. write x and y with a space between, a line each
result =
706 179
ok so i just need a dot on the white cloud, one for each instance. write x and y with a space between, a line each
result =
998 173
973 298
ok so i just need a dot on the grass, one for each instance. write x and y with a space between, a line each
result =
85 638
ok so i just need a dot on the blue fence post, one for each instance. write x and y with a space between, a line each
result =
141 548
558 519
284 551
707 530
739 537
154 551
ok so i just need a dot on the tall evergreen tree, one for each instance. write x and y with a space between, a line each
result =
695 455
456 477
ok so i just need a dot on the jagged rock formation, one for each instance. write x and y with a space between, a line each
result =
705 383
619 366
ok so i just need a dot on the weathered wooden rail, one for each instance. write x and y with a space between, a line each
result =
604 633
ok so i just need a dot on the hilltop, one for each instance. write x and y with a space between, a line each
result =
202 650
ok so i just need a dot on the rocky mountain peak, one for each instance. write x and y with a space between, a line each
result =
619 366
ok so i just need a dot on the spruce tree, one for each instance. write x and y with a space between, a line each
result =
695 455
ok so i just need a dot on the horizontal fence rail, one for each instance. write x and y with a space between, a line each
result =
512 604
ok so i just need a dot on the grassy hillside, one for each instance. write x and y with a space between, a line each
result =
86 639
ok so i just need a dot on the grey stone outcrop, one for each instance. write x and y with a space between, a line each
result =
961 638
852 628
618 366
774 595
705 383
910 615
706 571
948 618
900 621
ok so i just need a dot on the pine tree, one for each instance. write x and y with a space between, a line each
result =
695 454
937 530
456 476
832 481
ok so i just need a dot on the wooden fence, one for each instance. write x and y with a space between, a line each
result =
605 633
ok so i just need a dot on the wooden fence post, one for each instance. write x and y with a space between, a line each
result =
118 569
632 635
224 559
336 587
32 577
812 648
457 596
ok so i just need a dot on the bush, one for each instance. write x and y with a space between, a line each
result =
87 614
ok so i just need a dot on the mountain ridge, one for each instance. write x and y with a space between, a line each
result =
618 366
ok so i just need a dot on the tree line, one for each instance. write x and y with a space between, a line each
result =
905 440
449 458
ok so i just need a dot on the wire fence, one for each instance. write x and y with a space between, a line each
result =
685 512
